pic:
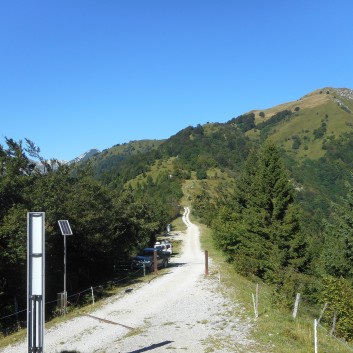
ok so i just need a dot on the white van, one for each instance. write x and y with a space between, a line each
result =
165 246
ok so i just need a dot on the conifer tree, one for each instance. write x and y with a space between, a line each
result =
337 254
261 231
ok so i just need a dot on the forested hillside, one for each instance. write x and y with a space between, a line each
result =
274 185
109 226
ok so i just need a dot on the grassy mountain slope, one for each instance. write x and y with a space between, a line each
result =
314 132
329 106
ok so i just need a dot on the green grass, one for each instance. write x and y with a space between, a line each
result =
275 330
178 225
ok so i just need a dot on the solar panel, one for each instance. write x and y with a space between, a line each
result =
65 227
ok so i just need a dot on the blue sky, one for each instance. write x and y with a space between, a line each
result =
81 74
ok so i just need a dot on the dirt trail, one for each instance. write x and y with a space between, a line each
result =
180 311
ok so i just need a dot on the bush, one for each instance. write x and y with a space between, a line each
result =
338 293
296 142
201 174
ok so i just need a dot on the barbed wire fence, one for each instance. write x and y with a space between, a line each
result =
81 299
253 289
14 322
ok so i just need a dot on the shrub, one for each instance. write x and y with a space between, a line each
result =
338 293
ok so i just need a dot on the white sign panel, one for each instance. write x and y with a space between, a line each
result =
35 280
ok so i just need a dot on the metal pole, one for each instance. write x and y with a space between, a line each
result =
65 295
315 336
257 300
296 306
34 298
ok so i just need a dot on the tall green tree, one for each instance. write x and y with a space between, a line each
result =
108 225
260 228
337 253
15 176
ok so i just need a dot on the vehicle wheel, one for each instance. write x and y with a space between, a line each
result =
152 268
165 263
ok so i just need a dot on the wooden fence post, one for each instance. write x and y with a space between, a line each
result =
206 263
155 264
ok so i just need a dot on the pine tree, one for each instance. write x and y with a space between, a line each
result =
261 233
337 254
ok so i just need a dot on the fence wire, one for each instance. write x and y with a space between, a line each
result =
16 326
216 277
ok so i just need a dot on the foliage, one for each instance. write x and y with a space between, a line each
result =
245 122
337 250
275 119
321 131
108 225
324 179
296 142
338 293
194 149
260 230
163 194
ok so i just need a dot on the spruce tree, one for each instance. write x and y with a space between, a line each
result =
261 233
337 254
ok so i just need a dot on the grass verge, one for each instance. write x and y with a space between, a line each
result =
275 330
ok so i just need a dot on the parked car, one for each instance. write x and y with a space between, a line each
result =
146 258
164 245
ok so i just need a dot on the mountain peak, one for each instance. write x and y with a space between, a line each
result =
86 155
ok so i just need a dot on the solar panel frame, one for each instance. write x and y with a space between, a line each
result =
65 227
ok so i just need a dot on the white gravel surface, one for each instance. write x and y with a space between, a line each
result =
177 311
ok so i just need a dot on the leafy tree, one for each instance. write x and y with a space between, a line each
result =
15 176
275 119
15 168
245 122
108 225
338 293
135 226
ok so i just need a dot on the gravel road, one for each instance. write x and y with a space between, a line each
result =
177 311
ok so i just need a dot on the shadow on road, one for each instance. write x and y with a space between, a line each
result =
176 264
151 347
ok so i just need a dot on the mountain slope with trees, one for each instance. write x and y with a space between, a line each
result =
274 185
109 226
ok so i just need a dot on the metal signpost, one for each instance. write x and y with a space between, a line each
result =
65 230
35 281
